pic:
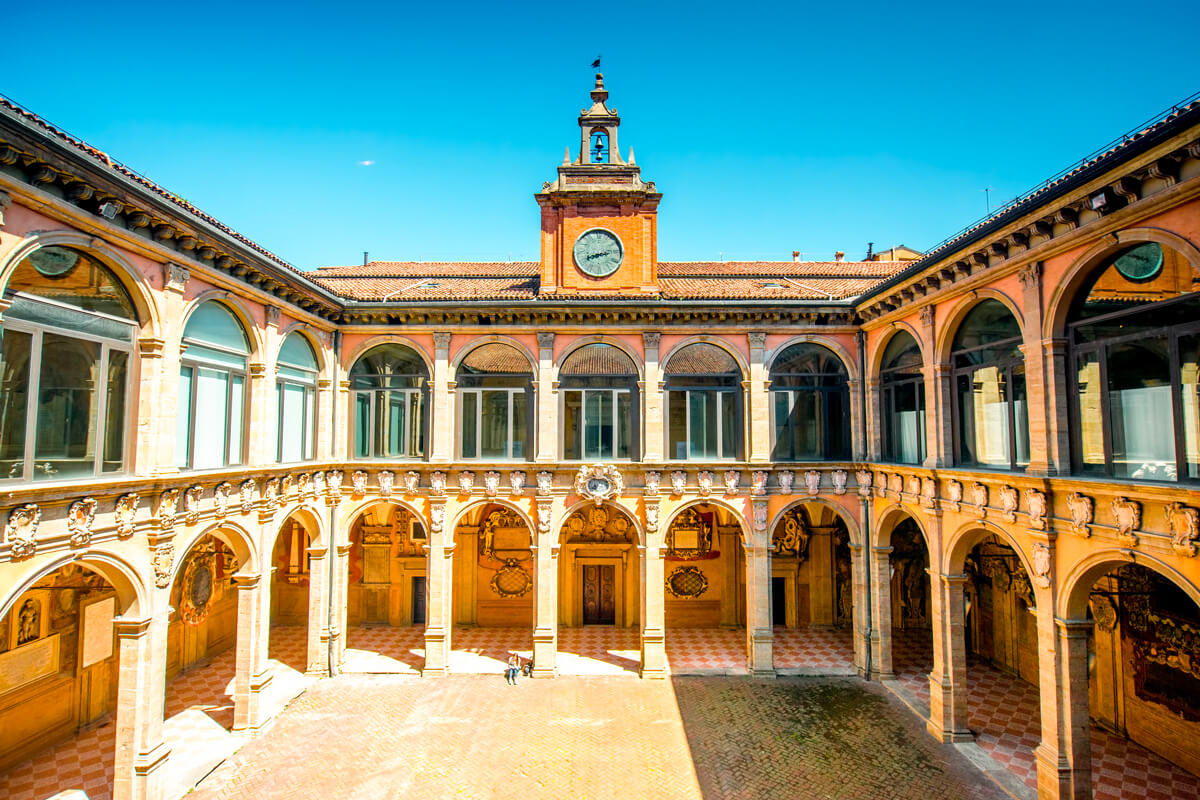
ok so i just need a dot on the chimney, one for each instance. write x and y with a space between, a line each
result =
366 258
870 250
839 255
795 256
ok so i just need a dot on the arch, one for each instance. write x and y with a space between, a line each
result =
305 330
890 518
232 302
130 276
312 523
959 544
493 501
852 526
237 538
1074 589
848 363
638 528
351 515
738 513
475 344
944 341
1058 307
875 356
638 363
738 358
351 358
132 593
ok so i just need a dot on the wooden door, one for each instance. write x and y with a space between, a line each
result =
599 594
418 600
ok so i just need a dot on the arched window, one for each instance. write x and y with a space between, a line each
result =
599 146
810 405
295 399
992 420
64 368
599 389
1134 334
211 419
495 385
389 383
704 402
902 391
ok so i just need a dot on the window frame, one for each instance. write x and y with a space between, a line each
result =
889 385
421 391
510 440
1007 366
311 410
195 365
823 391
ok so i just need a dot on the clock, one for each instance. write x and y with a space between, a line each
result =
1140 263
598 252
598 485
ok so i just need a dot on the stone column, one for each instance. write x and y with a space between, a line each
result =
1074 720
339 634
262 441
857 422
654 651
860 622
948 680
326 413
547 400
341 446
652 391
874 422
1057 401
318 608
760 637
930 383
1037 402
758 401
442 419
440 586
158 410
139 770
253 675
545 597
881 611
941 430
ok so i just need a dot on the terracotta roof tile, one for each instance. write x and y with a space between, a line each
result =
794 269
430 269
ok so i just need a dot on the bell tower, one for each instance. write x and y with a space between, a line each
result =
599 218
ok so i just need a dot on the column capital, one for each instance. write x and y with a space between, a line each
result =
545 340
1074 628
651 339
441 340
250 581
957 579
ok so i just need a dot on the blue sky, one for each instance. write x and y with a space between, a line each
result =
768 128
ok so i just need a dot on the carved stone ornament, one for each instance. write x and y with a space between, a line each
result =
881 484
896 484
758 483
705 481
358 483
333 483
928 492
598 482
303 484
652 510
653 477
387 479
271 493
979 496
912 486
1082 513
412 480
80 516
545 513
1008 503
1104 613
760 515
466 482
840 477
246 495
124 514
812 482
1128 515
437 517
21 530
175 276
678 482
1184 523
318 483
954 493
1042 559
686 582
732 479
927 316
162 559
865 480
191 504
221 498
516 481
1035 500
491 483
165 513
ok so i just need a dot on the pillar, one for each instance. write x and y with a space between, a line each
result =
318 612
874 422
442 418
652 391
158 402
139 770
857 423
545 593
339 633
933 399
439 585
653 609
1074 720
940 437
760 637
252 675
860 623
262 439
1037 400
758 399
948 680
547 400
1057 400
881 614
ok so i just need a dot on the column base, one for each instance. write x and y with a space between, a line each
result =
437 660
653 655
545 653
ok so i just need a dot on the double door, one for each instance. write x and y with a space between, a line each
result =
599 594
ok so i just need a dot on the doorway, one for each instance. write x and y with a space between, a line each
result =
418 600
779 601
599 594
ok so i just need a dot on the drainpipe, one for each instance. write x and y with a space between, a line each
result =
330 547
868 566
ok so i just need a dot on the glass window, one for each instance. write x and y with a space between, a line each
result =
810 396
64 378
599 387
211 426
1133 331
902 394
296 399
703 384
389 384
494 382
989 395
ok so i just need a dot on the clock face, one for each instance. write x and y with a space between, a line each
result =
1140 263
598 252
597 485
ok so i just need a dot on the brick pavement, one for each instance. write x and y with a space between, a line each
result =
689 737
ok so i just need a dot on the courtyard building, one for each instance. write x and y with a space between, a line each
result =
970 474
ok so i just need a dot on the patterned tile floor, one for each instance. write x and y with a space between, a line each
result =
823 651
